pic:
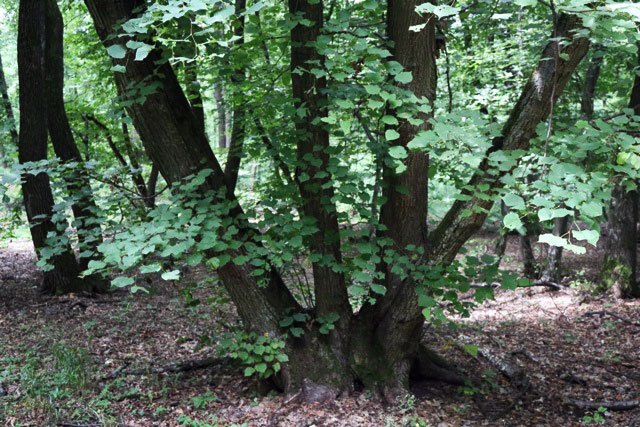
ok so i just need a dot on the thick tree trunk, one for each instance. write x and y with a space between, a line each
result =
313 159
236 146
619 267
9 118
83 205
222 115
32 147
396 319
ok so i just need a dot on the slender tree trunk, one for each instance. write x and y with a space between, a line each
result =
222 115
9 118
554 254
590 82
83 205
619 267
544 87
234 156
32 147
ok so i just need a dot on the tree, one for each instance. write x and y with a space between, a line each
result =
38 198
619 266
379 344
83 204
9 118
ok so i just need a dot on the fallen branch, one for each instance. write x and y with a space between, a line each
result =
612 314
619 405
176 367
508 370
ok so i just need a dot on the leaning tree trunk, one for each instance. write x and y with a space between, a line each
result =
83 205
9 118
32 147
619 267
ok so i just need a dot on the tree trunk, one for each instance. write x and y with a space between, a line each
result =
178 147
554 254
83 205
222 115
32 147
312 152
9 118
396 320
590 82
539 94
236 146
619 267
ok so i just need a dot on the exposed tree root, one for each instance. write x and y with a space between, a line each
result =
431 366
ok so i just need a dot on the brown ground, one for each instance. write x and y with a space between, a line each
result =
562 353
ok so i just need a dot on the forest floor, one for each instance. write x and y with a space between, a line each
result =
71 361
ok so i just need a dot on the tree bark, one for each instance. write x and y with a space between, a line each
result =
236 146
619 267
590 82
312 152
9 118
32 147
83 205
222 115
397 318
539 94
178 147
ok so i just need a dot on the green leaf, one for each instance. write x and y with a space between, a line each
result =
117 51
122 281
514 201
171 275
391 135
261 367
552 240
525 3
398 152
249 371
471 349
590 236
512 221
378 289
404 77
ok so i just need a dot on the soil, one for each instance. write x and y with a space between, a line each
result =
67 360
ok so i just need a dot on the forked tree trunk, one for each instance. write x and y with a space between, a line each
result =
32 147
85 210
381 345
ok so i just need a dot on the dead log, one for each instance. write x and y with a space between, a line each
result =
618 405
183 366
612 314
